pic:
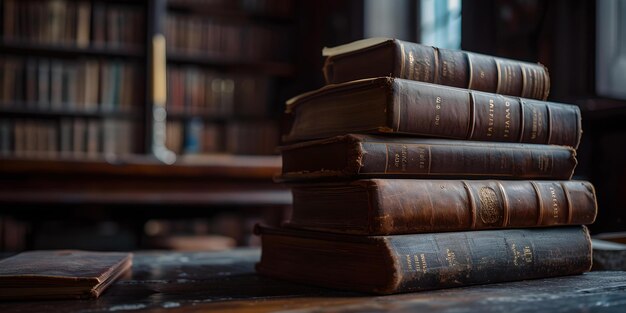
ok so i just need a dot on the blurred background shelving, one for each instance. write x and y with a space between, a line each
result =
77 124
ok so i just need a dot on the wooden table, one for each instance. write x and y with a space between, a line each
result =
226 282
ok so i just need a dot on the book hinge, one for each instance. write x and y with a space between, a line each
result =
539 202
472 205
472 119
499 75
549 122
569 203
522 121
505 205
436 69
470 71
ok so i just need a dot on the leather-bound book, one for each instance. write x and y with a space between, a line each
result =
400 106
356 156
406 263
406 206
60 274
376 57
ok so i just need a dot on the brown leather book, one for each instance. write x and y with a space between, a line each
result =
356 156
406 263
405 206
400 106
60 274
376 57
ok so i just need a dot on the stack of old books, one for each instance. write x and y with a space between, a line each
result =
381 205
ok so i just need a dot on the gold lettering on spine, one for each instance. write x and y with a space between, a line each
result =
528 254
555 203
405 157
535 122
416 262
421 156
507 119
516 254
525 256
491 117
438 103
430 158
401 159
451 258
408 262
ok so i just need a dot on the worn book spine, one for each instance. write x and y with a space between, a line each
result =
416 262
363 156
401 206
432 261
471 70
458 69
432 110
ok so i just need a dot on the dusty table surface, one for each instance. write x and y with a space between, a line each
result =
226 282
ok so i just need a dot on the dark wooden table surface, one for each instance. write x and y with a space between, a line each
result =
226 282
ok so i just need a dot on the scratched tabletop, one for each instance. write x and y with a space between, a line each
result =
226 282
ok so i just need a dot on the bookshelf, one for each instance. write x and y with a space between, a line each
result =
78 78
225 62
84 134
72 79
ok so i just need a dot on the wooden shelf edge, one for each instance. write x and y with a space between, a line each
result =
26 110
209 166
230 14
177 115
272 68
258 198
46 50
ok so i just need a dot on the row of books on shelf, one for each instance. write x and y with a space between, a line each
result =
197 35
70 23
81 85
277 8
67 137
195 136
203 91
